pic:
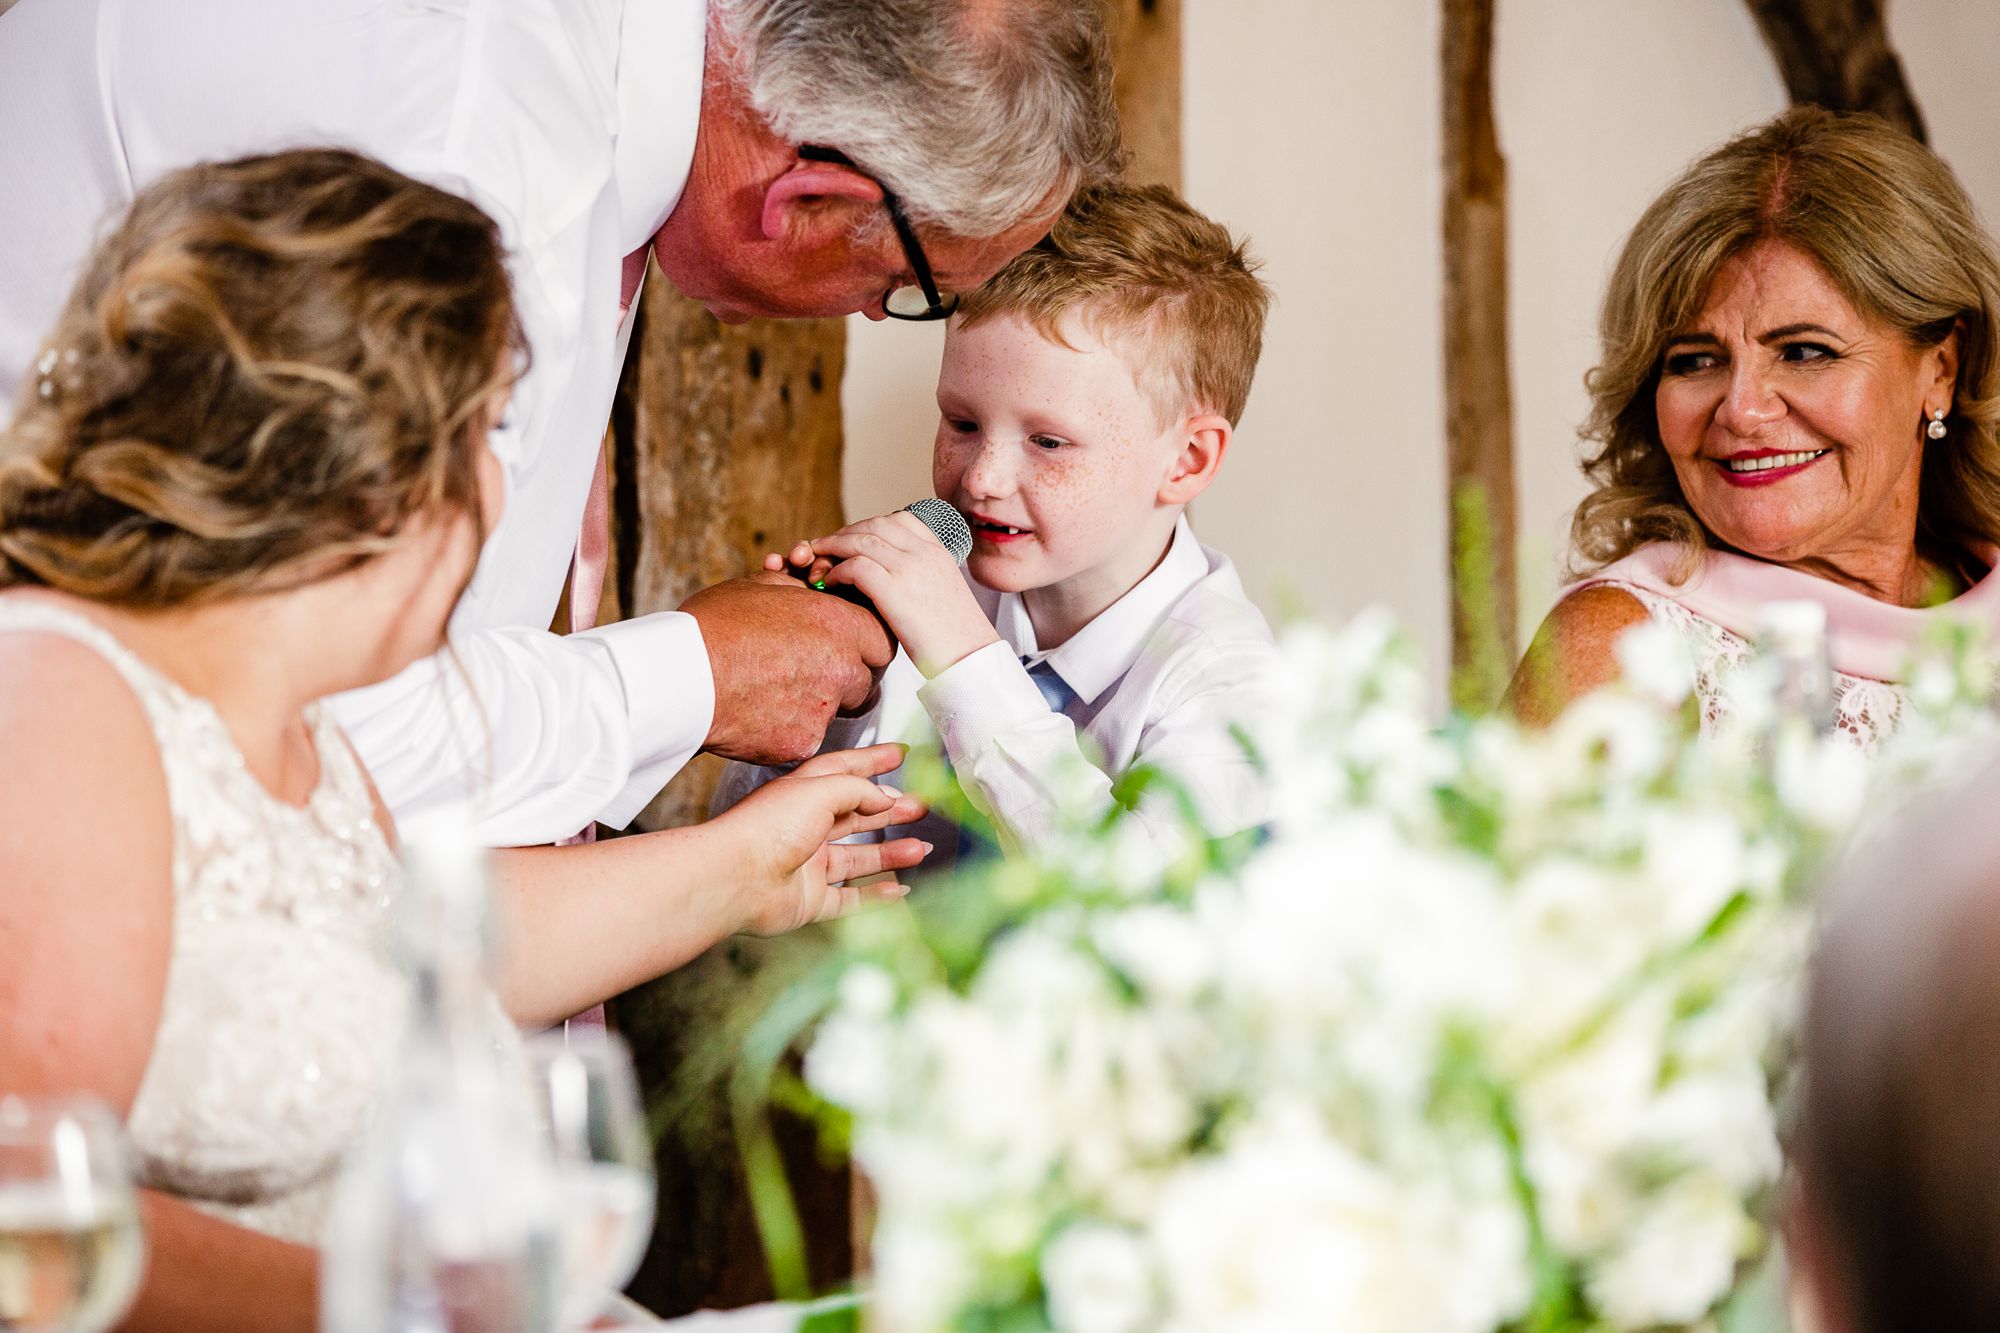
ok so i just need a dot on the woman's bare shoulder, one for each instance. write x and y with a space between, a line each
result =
52 684
1573 653
86 869
81 759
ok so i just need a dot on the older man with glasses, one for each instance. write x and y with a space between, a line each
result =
756 147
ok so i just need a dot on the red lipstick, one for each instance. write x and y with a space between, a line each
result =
1765 476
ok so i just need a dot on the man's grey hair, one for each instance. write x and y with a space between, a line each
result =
979 114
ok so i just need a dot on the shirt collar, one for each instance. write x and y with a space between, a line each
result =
1097 656
661 46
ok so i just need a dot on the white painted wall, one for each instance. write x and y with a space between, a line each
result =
1312 127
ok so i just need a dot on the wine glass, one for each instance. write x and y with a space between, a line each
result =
584 1086
71 1248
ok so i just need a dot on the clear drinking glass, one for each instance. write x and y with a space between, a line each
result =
71 1247
604 1163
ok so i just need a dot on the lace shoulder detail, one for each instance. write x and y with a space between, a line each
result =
1714 650
1866 712
279 999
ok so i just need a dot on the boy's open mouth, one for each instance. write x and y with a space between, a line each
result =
985 529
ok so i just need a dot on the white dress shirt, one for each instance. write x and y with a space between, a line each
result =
1160 678
573 123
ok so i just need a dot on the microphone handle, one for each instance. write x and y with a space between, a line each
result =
847 592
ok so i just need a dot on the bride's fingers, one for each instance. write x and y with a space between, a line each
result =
908 809
837 901
839 797
856 860
867 762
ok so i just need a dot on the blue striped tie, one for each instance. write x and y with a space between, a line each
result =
972 847
1054 689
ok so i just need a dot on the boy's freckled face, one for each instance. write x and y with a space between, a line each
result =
1054 455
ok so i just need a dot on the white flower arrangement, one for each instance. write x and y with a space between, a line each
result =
1484 1034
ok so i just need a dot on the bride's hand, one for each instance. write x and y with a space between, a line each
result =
794 870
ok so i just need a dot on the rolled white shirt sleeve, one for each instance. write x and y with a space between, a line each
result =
536 733
1026 767
1018 760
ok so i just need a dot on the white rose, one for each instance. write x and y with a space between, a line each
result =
1677 1259
1696 861
1295 1232
1099 1279
1824 781
1653 658
1162 949
851 1063
866 991
1721 1126
922 1277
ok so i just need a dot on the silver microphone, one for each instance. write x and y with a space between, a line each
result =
946 524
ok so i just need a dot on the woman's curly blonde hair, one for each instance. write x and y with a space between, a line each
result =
267 369
1894 230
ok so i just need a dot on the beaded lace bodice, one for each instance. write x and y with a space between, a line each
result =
281 1008
1866 711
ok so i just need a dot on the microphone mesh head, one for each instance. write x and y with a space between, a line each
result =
946 524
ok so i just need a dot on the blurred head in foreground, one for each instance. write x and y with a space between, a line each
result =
1899 1145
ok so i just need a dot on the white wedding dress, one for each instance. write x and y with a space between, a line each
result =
1867 712
282 1009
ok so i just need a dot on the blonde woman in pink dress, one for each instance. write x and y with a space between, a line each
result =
1796 401
251 471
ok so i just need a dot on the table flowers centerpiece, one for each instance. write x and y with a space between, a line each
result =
1486 1030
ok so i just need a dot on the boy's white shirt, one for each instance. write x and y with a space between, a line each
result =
1162 677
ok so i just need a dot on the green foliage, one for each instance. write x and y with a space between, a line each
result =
1480 680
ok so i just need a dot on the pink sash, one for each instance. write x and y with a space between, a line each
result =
1865 637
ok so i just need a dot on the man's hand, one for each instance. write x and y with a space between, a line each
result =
900 565
785 658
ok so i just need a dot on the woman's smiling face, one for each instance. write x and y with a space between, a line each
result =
1794 422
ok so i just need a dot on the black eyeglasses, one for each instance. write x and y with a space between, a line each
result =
922 301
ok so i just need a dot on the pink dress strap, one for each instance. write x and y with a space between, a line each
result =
1868 638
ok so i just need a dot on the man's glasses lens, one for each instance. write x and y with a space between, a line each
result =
911 303
921 299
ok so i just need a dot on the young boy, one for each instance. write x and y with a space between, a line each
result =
1088 393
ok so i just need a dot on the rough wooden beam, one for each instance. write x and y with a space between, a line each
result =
734 450
1479 430
1836 54
1148 84
726 443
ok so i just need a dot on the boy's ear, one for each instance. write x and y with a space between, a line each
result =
1204 440
813 201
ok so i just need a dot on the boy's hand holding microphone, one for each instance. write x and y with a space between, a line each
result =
907 565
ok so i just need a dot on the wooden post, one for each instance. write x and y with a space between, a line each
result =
725 444
728 446
1479 429
1836 54
1147 81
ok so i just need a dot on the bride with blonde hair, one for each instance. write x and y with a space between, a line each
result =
251 471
